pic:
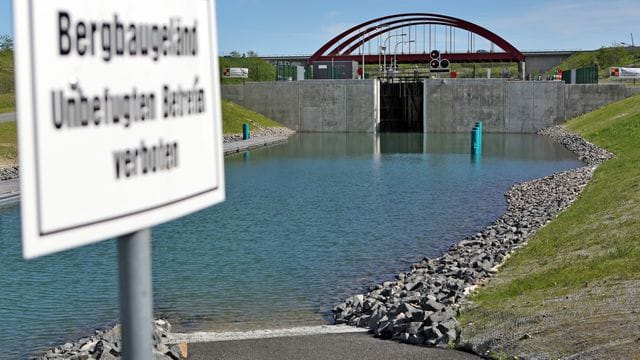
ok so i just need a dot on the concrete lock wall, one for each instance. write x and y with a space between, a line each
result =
312 106
450 105
454 105
583 98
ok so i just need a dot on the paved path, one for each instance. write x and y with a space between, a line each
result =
253 143
9 186
353 346
9 192
6 117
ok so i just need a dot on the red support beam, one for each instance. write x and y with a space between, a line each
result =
424 58
353 29
386 30
368 30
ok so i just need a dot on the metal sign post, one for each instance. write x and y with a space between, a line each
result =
118 105
136 294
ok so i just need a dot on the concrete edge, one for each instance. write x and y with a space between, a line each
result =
245 145
10 199
261 334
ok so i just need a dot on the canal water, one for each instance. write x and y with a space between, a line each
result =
305 225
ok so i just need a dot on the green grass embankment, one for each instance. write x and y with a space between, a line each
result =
7 103
575 288
7 88
8 149
605 58
259 69
234 115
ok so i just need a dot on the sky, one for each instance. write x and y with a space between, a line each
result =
285 27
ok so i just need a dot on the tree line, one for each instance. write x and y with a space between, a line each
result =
6 43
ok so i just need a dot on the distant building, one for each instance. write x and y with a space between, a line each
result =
335 70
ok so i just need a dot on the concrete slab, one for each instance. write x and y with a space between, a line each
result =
9 192
9 186
439 99
323 106
360 107
252 143
234 93
547 105
518 106
583 98
276 100
311 106
483 100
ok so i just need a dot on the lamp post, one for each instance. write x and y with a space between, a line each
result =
633 52
376 28
379 57
384 47
395 51
363 34
362 56
633 49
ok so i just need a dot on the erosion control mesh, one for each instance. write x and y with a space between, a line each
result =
600 322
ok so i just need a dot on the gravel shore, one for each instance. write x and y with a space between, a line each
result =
419 306
8 172
280 131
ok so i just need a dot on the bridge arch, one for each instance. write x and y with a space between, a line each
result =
345 45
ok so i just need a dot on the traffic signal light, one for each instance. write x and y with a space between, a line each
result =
437 64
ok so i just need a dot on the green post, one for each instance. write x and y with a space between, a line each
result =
476 139
245 132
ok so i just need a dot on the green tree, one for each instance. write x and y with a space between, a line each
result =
6 43
610 56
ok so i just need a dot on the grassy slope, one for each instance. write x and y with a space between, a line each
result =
7 103
234 115
259 69
595 244
7 97
604 57
8 152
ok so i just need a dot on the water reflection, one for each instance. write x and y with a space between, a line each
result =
511 146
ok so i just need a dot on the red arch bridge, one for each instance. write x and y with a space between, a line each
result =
411 38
